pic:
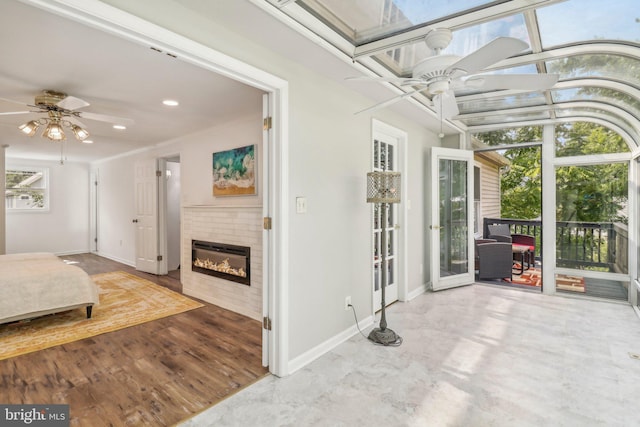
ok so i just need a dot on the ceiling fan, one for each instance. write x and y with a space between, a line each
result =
438 75
62 111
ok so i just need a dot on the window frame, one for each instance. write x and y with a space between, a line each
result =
45 188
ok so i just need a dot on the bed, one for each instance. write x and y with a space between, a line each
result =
36 284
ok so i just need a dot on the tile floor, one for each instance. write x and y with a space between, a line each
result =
473 356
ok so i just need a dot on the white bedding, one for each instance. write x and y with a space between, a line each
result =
41 283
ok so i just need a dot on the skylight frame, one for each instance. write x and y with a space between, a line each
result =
362 55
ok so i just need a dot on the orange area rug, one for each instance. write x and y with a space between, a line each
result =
125 300
533 277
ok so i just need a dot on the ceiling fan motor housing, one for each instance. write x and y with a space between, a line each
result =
49 98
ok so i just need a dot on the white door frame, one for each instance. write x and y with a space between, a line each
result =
122 24
402 214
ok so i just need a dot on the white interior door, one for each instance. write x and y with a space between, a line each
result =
451 218
385 158
146 220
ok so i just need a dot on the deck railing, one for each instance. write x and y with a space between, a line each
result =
583 245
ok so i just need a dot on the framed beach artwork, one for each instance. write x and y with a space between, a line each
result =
234 172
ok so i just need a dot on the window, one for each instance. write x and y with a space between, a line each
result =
27 189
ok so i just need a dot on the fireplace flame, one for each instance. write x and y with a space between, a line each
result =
222 267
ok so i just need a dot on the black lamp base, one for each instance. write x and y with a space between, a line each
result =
384 336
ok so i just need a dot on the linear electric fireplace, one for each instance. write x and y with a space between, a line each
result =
228 262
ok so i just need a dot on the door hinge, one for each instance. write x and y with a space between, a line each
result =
266 123
95 239
266 323
159 257
266 223
158 174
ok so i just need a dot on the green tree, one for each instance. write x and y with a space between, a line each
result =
520 182
596 193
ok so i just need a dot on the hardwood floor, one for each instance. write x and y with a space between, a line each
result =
157 373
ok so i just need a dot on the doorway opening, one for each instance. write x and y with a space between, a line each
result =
172 210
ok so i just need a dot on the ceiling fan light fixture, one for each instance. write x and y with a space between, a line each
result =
54 131
30 128
80 133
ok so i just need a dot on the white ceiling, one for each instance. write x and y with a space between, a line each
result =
117 77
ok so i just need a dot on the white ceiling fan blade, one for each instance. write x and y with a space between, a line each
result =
489 54
72 103
10 113
13 101
401 80
512 81
446 105
390 101
105 118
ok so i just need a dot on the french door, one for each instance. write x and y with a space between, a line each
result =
385 154
451 218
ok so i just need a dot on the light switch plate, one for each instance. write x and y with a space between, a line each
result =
301 205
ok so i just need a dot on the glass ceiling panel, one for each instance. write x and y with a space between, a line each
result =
464 42
571 112
361 21
585 20
611 96
615 67
506 118
529 99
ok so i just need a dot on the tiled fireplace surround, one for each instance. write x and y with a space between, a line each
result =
235 225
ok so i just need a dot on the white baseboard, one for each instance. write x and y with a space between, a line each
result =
78 252
325 347
418 291
114 258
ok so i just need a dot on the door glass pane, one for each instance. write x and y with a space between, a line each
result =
453 217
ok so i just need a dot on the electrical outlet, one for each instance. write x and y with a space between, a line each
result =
347 303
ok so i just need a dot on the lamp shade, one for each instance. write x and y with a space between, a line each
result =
383 187
29 128
54 131
79 132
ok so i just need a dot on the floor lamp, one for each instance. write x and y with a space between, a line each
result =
383 188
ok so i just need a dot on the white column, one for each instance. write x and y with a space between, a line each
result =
548 211
3 207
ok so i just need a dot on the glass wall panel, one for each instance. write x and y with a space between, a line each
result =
599 288
581 138
629 127
592 217
611 96
614 67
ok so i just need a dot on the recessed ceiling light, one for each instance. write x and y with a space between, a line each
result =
88 141
170 103
119 127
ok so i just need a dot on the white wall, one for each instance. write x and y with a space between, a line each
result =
116 230
329 156
64 229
